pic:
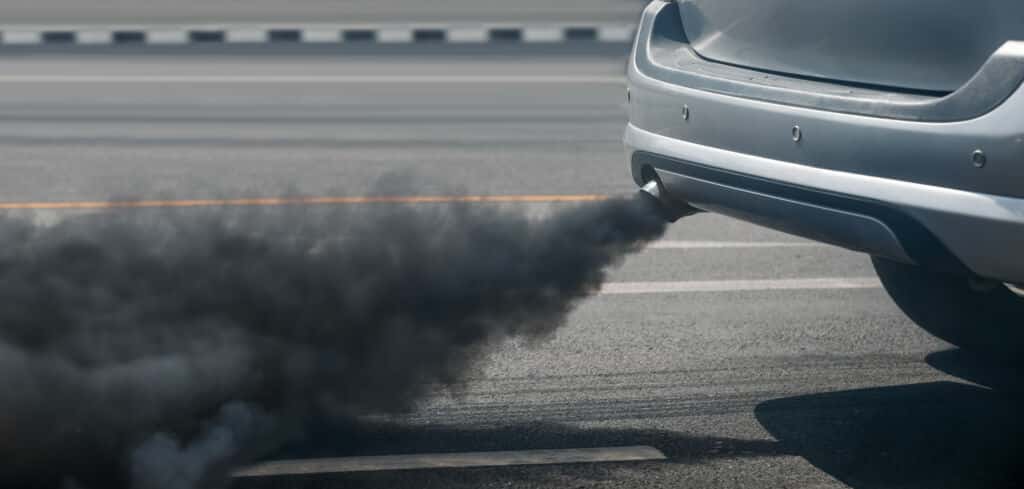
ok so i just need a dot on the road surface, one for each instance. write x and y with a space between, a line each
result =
745 384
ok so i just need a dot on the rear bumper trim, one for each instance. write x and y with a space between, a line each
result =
984 232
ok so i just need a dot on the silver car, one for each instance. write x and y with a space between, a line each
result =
892 128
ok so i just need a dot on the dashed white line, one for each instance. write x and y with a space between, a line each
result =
451 460
833 283
467 35
254 34
246 35
22 37
616 33
320 36
542 34
94 37
394 35
163 37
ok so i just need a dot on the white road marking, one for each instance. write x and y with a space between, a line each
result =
543 34
616 33
396 79
167 37
467 35
701 245
321 35
613 288
94 37
246 35
394 35
451 460
22 37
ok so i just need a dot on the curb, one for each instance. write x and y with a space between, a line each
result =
314 34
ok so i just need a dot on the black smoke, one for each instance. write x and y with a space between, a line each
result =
156 349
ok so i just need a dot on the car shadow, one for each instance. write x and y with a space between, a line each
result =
929 435
1002 377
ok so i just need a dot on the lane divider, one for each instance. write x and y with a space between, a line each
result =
451 460
705 245
314 34
825 283
278 201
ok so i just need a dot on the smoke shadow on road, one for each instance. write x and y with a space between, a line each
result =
929 435
364 438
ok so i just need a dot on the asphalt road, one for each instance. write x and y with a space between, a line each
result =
314 11
751 387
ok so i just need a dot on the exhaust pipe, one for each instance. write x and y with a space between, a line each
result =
1017 289
668 208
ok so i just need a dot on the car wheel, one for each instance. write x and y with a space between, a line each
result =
986 318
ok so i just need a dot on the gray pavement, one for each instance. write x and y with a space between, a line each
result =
338 11
756 388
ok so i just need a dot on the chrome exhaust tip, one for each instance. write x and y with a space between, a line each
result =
668 208
1016 289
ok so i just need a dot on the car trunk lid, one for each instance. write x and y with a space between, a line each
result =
923 45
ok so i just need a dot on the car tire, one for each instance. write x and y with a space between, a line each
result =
986 318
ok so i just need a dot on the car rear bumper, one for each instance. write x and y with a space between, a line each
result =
933 226
887 185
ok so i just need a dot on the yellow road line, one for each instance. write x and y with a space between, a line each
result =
276 201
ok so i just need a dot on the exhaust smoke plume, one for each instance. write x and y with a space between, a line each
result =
156 349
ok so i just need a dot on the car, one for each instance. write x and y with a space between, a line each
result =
890 128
